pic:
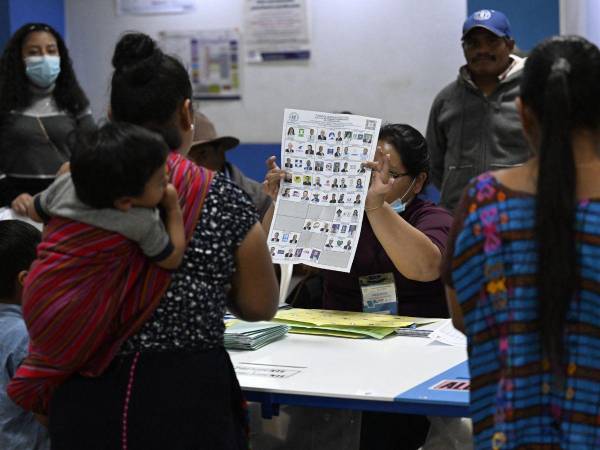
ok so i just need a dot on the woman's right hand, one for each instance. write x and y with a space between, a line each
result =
272 178
381 182
22 204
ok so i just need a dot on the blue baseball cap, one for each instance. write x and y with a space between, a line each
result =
489 19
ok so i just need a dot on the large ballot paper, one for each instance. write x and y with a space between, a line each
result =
320 206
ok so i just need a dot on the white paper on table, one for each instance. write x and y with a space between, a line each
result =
10 214
447 334
320 206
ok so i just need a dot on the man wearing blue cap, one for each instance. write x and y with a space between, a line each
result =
473 124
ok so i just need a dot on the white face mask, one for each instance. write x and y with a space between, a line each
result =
42 70
398 205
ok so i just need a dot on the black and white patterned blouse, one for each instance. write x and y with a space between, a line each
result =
190 315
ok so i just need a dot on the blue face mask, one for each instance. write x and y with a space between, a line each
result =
42 70
398 205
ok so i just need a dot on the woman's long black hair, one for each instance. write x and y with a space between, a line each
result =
560 85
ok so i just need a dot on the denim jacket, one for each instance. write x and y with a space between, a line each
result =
19 430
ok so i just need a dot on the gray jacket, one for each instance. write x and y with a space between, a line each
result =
469 133
251 187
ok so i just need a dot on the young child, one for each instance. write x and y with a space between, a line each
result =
18 240
89 268
117 179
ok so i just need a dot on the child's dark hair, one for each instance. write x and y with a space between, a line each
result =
560 85
18 241
115 161
410 144
148 86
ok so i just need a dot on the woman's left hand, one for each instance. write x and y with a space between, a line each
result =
381 182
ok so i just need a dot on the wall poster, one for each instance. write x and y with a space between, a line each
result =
144 7
211 58
276 30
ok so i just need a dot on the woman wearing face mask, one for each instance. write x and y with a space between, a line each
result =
41 102
402 240
402 234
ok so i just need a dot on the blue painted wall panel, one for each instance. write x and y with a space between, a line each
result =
14 13
51 12
531 20
250 158
4 22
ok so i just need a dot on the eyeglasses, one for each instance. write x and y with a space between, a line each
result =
394 176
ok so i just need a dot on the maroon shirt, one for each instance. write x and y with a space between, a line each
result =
415 298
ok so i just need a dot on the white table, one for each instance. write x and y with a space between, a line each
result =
394 374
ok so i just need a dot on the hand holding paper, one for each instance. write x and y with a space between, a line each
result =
272 178
381 182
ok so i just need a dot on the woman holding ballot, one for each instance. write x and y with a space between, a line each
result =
402 239
396 268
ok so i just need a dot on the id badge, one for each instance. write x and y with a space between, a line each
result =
379 293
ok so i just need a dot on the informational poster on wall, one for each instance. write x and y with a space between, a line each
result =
276 30
211 58
320 205
143 7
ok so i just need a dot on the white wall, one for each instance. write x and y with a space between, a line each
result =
383 58
581 17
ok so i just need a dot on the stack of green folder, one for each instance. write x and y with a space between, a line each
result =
342 323
241 335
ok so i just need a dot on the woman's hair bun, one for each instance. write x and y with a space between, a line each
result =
136 57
